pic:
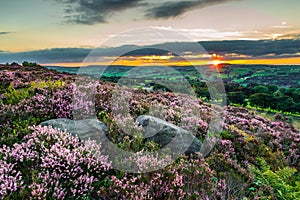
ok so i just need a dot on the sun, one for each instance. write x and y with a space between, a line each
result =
216 63
216 60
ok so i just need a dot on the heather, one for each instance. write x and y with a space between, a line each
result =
253 157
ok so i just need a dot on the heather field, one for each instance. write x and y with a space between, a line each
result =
252 157
150 99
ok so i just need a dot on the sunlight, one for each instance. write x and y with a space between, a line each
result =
216 63
216 60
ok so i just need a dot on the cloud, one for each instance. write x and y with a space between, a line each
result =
235 49
292 36
170 9
46 55
91 12
259 48
173 9
200 34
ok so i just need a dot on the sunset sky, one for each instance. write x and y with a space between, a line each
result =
33 27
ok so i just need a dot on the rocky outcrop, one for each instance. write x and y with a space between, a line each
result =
159 131
84 129
168 135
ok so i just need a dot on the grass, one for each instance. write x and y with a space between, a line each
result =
270 116
269 113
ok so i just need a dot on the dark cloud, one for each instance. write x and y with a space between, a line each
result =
46 56
261 48
58 55
170 9
173 9
90 12
253 48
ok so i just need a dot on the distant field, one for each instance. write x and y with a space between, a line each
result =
280 75
248 76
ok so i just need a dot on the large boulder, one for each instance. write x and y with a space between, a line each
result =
85 129
168 135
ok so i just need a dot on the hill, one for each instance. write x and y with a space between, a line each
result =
252 157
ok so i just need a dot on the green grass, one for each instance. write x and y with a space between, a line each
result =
270 116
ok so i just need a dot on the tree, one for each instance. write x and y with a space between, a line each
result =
30 64
262 100
158 87
296 95
282 90
272 88
261 89
285 103
236 97
232 87
296 107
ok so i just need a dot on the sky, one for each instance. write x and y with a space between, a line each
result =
37 26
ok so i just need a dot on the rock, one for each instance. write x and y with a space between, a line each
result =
84 129
159 131
168 135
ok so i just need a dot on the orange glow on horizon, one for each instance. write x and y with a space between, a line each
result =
270 61
166 61
216 63
216 60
